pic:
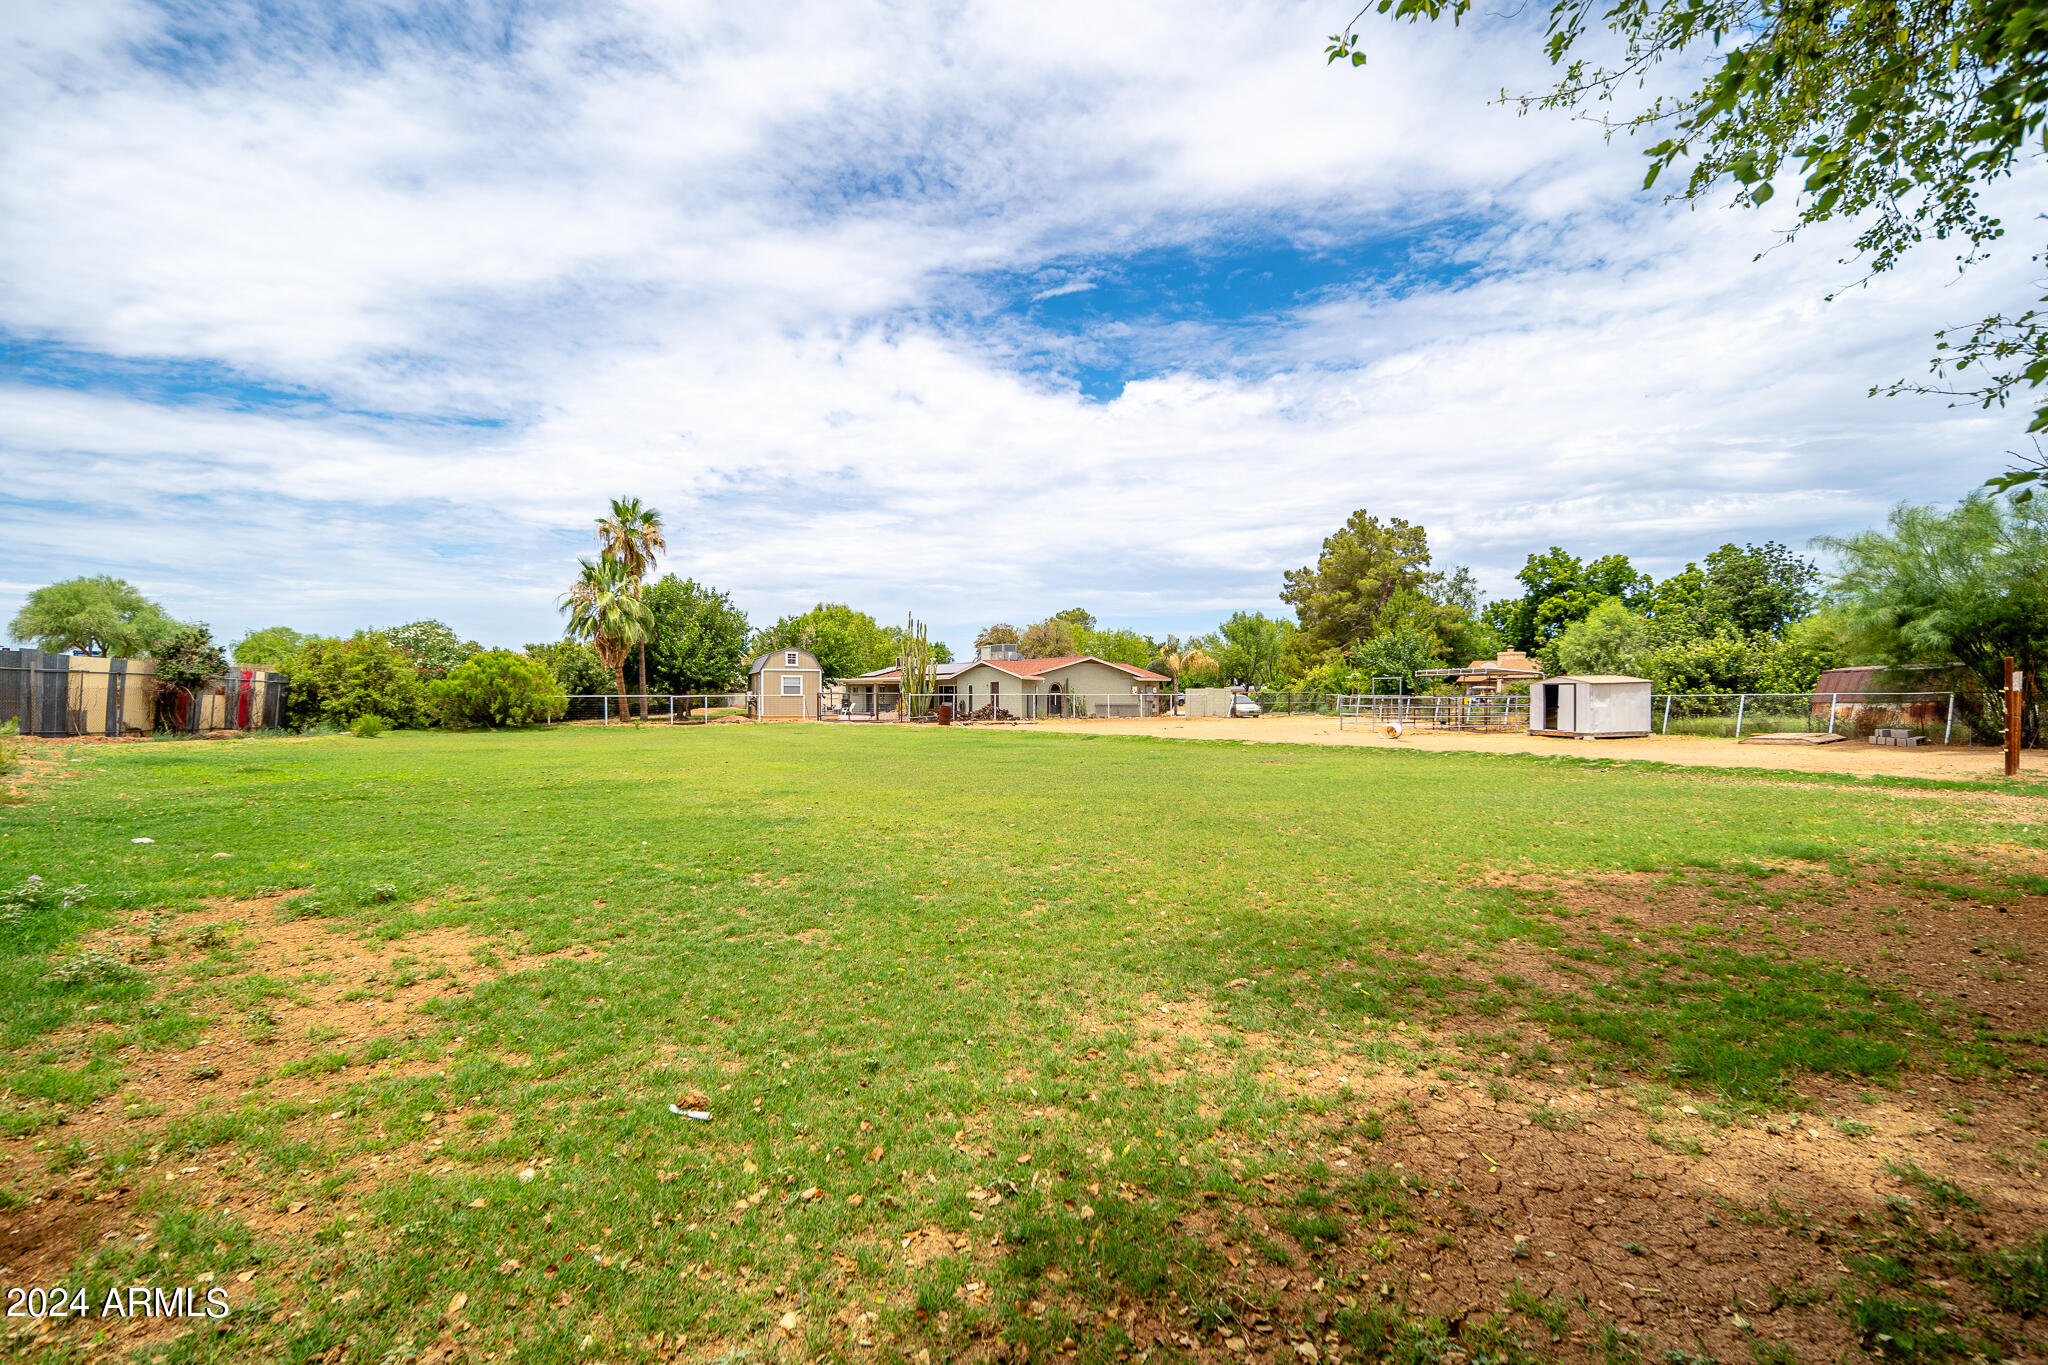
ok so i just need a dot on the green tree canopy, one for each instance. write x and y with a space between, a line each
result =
1121 645
100 615
1558 589
1890 116
1759 589
1374 579
846 641
1001 633
1051 638
1397 653
433 646
696 638
1249 647
269 647
1967 585
1368 572
1609 639
574 664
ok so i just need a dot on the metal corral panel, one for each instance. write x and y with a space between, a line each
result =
1590 707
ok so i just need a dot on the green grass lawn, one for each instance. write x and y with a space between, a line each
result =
916 974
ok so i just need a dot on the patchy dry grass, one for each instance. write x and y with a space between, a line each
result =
1016 1048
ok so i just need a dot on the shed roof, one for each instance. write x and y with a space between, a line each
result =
755 666
1597 678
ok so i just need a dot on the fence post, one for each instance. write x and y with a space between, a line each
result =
1834 700
671 708
1741 704
1667 714
607 708
1950 727
2014 715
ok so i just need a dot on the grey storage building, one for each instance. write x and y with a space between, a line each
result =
1592 706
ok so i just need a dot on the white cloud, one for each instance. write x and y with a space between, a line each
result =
747 278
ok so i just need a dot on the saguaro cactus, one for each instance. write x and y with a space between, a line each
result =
916 667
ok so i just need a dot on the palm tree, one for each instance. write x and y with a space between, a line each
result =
605 609
1177 658
632 536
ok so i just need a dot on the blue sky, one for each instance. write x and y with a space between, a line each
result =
338 315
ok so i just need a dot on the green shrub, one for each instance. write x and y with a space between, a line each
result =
7 732
365 675
495 688
369 726
186 662
575 666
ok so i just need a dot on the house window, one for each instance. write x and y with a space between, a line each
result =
792 684
789 659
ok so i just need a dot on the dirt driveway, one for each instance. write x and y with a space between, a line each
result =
1852 756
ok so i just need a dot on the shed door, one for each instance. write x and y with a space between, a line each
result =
1550 691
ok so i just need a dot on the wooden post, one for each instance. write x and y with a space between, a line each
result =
2013 683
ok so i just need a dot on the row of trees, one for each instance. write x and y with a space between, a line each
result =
1958 589
1941 596
1373 611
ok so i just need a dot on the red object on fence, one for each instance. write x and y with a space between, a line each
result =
242 701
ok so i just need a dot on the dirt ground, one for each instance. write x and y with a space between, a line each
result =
1850 756
335 996
1615 1212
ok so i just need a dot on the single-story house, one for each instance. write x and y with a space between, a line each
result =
1072 685
786 684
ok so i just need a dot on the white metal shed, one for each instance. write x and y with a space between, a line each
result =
1592 706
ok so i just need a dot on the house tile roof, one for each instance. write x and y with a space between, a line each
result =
1032 668
1019 668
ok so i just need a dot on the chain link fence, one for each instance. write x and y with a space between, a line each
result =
1931 716
1299 703
1005 707
657 708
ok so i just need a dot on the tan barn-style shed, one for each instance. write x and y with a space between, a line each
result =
1593 706
785 684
